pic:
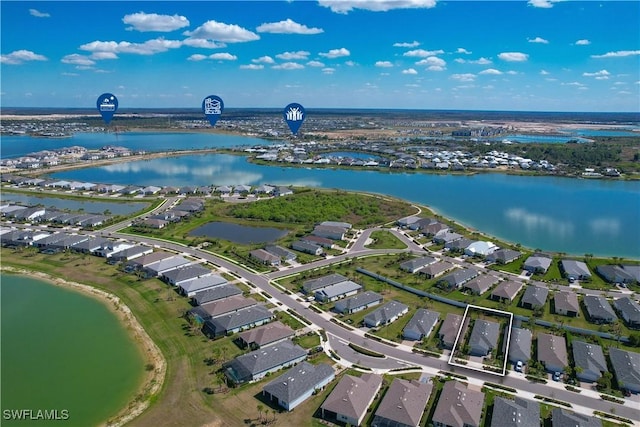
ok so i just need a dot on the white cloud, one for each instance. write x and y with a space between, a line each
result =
407 44
618 54
38 14
421 53
463 51
315 64
467 77
221 32
288 66
577 84
70 74
77 59
599 75
21 56
150 47
223 56
336 53
202 43
491 71
197 57
409 71
288 56
538 40
513 56
103 55
350 63
328 70
383 64
481 61
544 73
346 6
252 67
264 60
153 22
546 4
583 42
287 27
433 62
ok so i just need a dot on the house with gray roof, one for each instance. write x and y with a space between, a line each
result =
515 413
165 265
615 274
598 309
552 352
298 384
561 417
349 400
388 313
237 321
481 284
403 404
504 256
459 405
534 296
575 270
629 311
449 330
318 241
281 252
68 242
265 335
590 361
626 367
406 221
330 232
306 247
484 337
566 304
537 263
264 257
256 364
520 345
458 245
191 287
220 307
416 264
436 269
358 302
446 236
146 260
113 247
458 277
633 271
214 294
338 224
337 291
313 285
90 245
182 274
131 253
421 324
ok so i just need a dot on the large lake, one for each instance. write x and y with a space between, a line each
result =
576 216
64 350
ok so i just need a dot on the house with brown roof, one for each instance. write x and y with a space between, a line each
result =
449 330
506 291
459 405
566 304
552 352
349 400
481 284
403 404
265 335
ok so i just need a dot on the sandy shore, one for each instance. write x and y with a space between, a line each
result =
153 379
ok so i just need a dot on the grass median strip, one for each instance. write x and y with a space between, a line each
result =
365 351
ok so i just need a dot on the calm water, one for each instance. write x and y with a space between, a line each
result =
239 233
63 350
75 205
575 216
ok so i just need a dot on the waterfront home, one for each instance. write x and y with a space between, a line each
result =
112 247
434 228
626 368
481 284
158 268
589 361
629 311
68 242
388 313
265 335
437 269
407 221
242 189
458 245
534 297
421 324
561 417
413 265
44 242
349 400
403 404
318 284
480 249
520 345
575 270
215 294
336 291
29 214
282 191
515 412
153 223
598 309
202 283
459 405
614 274
185 273
457 278
449 330
258 363
446 236
263 189
552 352
484 337
330 232
537 263
281 252
633 271
221 307
566 304
298 384
318 241
506 291
504 256
264 257
237 321
146 260
358 302
308 248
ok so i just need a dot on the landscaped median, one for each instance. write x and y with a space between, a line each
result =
366 351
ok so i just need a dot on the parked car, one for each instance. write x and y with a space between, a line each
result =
557 376
518 366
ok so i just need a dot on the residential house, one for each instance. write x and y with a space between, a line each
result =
589 361
349 400
112 247
435 228
480 249
516 412
265 335
298 384
446 236
615 274
520 345
484 337
449 330
336 291
330 232
237 321
552 352
506 291
281 252
598 309
481 284
437 269
358 302
458 277
215 294
561 417
407 221
146 260
220 307
534 297
264 257
566 304
413 265
629 311
131 253
421 324
338 224
165 265
318 241
185 273
191 287
308 248
537 263
626 367
458 245
386 314
504 256
575 270
459 405
309 287
256 364
403 404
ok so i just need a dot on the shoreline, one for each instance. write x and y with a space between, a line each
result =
153 380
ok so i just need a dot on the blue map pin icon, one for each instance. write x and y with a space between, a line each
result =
294 115
212 107
107 104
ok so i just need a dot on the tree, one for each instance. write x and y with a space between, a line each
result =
260 409
634 340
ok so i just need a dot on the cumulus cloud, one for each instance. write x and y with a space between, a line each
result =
618 54
38 14
252 67
222 56
18 57
288 66
288 56
599 75
467 77
328 70
544 72
463 51
150 47
545 4
491 71
221 32
513 56
263 60
336 53
346 6
407 44
538 40
409 71
481 61
421 53
583 42
103 55
315 64
433 63
197 57
144 22
77 59
202 43
287 27
383 64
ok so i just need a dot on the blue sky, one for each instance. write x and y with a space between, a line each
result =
537 55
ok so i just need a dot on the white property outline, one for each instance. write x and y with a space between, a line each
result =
451 360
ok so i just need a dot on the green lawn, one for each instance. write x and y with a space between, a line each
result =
383 239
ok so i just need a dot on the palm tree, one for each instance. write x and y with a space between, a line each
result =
260 409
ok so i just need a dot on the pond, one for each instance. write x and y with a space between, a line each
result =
237 233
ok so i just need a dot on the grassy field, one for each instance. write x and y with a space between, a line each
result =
385 240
